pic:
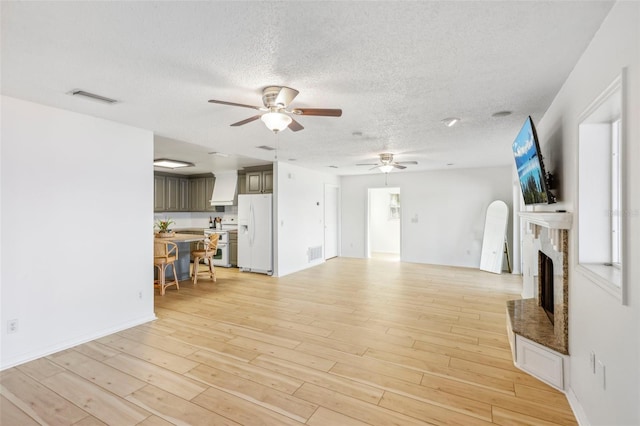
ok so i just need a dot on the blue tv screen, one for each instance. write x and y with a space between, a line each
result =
526 151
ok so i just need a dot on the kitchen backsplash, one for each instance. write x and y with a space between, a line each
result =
193 220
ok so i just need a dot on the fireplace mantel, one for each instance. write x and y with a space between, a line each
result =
551 220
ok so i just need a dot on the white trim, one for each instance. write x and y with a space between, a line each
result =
576 407
12 362
551 220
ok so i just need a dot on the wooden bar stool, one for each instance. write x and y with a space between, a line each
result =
205 250
165 253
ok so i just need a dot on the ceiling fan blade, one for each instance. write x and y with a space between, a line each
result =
377 166
285 96
318 111
367 164
294 126
407 162
213 101
248 120
398 166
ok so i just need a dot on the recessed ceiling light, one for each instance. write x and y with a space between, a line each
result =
501 114
171 164
451 121
333 167
449 164
92 96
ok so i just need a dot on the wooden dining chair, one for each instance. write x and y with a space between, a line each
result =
205 250
165 253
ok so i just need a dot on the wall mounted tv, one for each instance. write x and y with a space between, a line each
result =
534 181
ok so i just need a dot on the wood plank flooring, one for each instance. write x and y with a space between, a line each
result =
349 342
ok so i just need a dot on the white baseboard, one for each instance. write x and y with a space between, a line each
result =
578 411
23 358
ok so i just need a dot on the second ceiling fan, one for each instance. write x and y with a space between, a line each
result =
387 164
276 117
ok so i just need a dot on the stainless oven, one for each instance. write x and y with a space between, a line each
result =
221 257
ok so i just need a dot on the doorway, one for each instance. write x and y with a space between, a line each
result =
331 210
384 218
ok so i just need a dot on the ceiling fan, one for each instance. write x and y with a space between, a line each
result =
276 100
387 164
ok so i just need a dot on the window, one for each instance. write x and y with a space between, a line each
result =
601 212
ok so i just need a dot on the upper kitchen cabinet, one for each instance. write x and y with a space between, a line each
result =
158 193
259 181
171 193
197 194
174 193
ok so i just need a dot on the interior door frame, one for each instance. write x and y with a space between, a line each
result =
328 189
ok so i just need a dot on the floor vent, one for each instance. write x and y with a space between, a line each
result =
314 253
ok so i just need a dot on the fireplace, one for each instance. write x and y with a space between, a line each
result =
542 315
546 283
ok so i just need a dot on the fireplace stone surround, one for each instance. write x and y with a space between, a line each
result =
540 346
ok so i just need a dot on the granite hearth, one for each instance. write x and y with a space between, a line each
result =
540 345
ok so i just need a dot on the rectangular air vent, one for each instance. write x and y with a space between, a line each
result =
314 253
93 96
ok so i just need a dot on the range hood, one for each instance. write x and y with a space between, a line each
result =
224 189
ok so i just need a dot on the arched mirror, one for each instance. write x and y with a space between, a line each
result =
493 241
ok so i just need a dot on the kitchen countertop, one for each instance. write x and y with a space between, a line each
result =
183 238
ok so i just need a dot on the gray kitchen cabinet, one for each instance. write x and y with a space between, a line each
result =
197 190
242 185
158 193
171 194
233 248
259 182
183 195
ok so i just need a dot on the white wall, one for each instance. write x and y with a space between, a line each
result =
77 218
298 216
442 215
384 231
597 320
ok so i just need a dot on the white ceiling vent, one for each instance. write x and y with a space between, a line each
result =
93 96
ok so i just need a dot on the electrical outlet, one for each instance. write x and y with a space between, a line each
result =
12 326
592 362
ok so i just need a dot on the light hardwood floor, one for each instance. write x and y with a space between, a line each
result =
350 342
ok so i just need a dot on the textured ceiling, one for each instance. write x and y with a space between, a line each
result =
396 69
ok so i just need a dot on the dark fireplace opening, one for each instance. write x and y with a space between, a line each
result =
545 282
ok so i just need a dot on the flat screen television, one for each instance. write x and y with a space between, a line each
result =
533 178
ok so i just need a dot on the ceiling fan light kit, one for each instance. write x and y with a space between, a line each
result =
387 164
276 121
276 100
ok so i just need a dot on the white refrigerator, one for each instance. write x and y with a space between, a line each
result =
255 237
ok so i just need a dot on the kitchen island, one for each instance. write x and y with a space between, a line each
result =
183 241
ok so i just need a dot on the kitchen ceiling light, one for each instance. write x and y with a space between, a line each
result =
386 168
276 121
171 164
451 121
